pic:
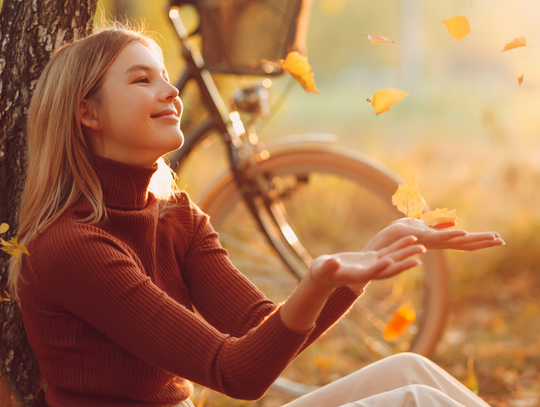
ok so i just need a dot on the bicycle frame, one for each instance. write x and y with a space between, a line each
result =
268 212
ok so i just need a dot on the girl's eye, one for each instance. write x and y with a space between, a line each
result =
143 80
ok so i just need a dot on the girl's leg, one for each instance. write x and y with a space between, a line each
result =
413 395
386 375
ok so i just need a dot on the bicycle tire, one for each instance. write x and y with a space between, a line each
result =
360 177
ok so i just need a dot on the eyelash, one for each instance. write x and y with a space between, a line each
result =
146 80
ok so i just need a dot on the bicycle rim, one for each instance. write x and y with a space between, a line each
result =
335 202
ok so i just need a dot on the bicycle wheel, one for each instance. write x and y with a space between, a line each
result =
335 201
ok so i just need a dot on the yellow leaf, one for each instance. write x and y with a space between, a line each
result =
383 99
515 43
378 39
401 320
22 248
4 227
300 69
473 380
520 79
12 251
13 248
438 217
408 199
457 26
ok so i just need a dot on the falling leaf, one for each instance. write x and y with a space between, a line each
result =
4 227
378 39
300 69
520 79
9 298
408 199
515 43
438 217
401 320
13 248
457 26
473 380
383 99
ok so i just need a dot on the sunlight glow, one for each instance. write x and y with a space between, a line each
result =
173 13
289 234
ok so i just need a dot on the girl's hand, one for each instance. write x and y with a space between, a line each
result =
434 238
356 269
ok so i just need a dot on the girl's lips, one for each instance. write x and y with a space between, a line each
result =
167 112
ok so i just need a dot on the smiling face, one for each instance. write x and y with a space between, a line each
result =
138 118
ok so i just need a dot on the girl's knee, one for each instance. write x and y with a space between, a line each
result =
409 359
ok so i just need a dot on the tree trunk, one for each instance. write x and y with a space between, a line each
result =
123 9
29 31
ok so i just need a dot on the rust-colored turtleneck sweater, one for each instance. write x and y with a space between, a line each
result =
109 309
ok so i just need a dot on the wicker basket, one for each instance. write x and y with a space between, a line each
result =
238 34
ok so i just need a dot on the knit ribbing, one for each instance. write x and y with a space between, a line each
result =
109 309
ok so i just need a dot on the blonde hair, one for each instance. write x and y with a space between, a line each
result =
59 155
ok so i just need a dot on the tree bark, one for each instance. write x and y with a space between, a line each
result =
29 32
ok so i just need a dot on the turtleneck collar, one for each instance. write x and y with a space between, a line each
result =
124 186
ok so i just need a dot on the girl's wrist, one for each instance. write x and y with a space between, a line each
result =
316 287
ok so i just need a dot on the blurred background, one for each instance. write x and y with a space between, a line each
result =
467 132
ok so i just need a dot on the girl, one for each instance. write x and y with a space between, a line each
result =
120 258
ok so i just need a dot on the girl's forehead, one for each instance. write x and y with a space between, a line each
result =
133 55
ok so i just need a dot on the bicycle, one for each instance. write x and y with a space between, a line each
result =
270 205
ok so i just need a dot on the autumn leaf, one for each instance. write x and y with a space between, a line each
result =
383 99
408 199
13 248
515 43
401 320
473 380
300 69
378 39
457 26
9 298
4 227
438 217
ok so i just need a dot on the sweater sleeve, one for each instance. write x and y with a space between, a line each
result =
230 302
93 276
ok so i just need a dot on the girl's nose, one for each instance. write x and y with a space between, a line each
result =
167 91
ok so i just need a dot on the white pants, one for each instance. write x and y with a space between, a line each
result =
402 380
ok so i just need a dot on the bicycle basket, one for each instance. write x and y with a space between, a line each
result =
238 34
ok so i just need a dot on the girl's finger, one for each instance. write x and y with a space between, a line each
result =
377 268
443 235
472 238
480 245
398 244
396 268
408 251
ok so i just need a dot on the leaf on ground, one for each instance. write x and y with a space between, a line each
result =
4 227
300 69
515 43
408 199
438 217
457 26
473 380
520 79
401 320
383 99
378 39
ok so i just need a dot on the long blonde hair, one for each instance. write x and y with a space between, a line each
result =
59 155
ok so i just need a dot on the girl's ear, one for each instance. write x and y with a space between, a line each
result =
88 115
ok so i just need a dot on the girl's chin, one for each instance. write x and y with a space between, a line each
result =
177 143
